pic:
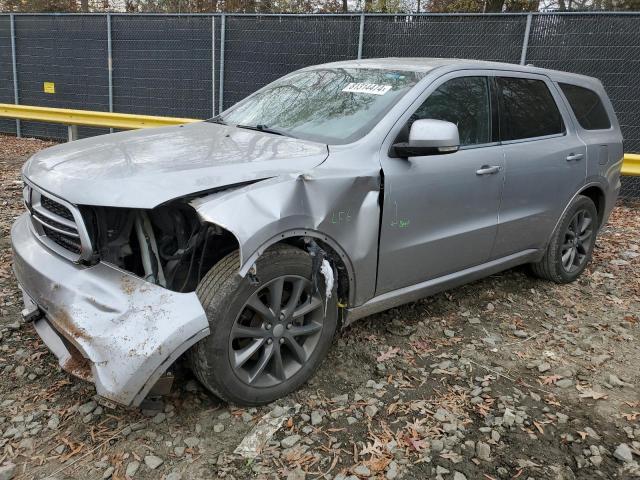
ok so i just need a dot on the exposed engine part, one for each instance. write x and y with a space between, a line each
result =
168 245
110 230
153 271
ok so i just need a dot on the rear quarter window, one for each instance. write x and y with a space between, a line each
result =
587 107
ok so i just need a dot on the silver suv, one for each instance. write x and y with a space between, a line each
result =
244 243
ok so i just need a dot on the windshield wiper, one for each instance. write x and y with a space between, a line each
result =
265 129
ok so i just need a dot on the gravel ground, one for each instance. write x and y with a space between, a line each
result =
509 377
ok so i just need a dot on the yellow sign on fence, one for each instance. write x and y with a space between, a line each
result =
49 87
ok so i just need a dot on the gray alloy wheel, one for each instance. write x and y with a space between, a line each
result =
577 241
571 245
276 331
267 337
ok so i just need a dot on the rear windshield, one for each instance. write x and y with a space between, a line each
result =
328 105
587 106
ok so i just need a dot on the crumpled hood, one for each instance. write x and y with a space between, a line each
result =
144 168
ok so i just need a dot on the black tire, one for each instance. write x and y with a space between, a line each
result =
553 265
224 295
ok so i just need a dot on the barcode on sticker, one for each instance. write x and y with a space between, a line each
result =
370 88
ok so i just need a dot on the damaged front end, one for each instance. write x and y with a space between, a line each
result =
112 290
124 309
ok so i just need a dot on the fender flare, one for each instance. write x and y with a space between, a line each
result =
583 187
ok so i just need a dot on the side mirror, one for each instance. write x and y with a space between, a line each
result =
429 137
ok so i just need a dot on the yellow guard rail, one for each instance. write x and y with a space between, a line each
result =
631 164
127 121
87 118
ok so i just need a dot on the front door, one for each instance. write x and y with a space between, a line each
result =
440 212
545 162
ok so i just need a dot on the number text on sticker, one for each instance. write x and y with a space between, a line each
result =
370 88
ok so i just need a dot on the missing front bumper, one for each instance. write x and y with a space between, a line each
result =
125 331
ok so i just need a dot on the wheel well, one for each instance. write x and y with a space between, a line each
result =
225 242
219 242
597 197
333 256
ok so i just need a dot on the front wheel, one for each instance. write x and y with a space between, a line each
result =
571 245
267 338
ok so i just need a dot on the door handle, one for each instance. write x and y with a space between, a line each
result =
488 169
574 156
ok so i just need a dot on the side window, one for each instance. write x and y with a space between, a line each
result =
528 109
587 106
463 101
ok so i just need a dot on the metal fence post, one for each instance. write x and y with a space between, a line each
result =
223 21
16 97
213 65
361 35
110 65
525 41
72 133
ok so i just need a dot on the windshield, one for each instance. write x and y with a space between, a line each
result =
329 105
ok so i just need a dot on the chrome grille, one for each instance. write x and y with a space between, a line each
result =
65 241
55 207
56 223
59 227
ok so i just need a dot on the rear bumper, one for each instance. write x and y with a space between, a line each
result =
103 324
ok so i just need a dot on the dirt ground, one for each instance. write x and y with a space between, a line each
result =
509 377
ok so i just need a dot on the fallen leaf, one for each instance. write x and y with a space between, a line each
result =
631 319
549 379
378 464
539 427
589 393
389 354
418 444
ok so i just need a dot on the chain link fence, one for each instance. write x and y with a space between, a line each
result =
496 37
260 49
602 46
196 65
6 71
162 65
68 51
630 189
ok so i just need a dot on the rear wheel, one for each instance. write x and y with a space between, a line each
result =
266 339
572 243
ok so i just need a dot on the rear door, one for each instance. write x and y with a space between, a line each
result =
545 161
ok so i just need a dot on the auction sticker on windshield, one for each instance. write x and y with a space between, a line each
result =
370 88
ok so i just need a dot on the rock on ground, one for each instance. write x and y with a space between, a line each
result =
623 453
7 471
153 462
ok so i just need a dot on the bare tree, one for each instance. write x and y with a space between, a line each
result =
314 6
